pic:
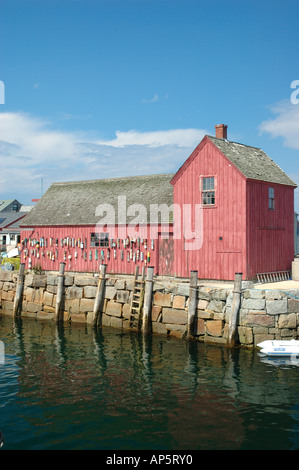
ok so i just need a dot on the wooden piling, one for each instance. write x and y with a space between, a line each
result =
233 321
192 303
98 304
147 308
17 307
60 284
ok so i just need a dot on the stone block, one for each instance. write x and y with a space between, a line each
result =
129 284
257 294
179 301
44 315
116 322
260 320
78 318
253 304
214 327
276 307
293 305
159 328
203 294
245 335
110 292
8 286
120 284
72 306
199 326
48 309
178 331
106 320
256 312
5 295
273 295
183 289
202 304
39 280
82 280
215 306
164 300
126 311
89 292
287 321
287 333
220 294
86 305
126 324
122 296
156 312
73 292
33 307
114 309
7 305
52 280
52 289
48 299
68 280
205 314
6 276
170 315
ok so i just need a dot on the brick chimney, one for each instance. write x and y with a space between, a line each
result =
221 131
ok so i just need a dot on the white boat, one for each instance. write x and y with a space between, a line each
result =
280 348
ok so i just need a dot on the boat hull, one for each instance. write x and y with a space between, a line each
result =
277 348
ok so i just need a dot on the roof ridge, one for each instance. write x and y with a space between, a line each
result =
237 143
119 178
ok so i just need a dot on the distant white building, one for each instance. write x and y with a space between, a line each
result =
10 230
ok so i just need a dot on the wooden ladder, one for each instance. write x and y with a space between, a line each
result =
137 299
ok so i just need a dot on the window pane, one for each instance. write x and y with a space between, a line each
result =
208 190
104 239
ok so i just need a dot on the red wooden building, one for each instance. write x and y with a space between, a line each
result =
228 209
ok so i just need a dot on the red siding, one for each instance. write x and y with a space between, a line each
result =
270 232
50 256
216 259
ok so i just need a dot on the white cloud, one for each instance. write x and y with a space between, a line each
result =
30 149
154 99
178 137
285 124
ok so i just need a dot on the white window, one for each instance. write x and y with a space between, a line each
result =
208 190
271 204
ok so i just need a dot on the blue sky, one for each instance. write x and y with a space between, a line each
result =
106 88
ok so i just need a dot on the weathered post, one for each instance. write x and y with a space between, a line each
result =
19 291
99 295
60 283
192 304
147 309
233 321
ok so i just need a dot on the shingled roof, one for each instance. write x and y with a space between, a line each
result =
253 162
75 203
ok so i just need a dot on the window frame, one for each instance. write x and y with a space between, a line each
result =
204 191
99 239
271 198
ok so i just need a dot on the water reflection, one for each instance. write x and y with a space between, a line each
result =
76 387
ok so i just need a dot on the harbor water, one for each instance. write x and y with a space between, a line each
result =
71 387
